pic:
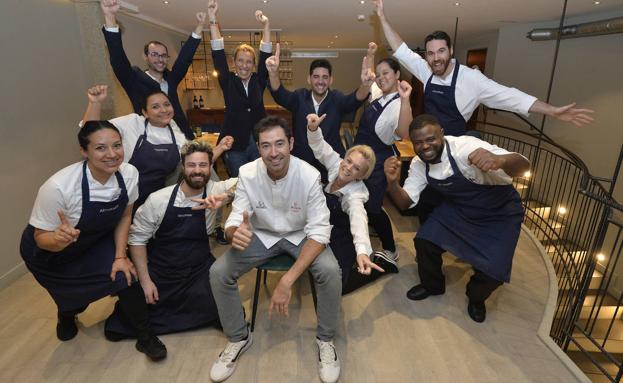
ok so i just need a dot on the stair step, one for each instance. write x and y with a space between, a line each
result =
536 210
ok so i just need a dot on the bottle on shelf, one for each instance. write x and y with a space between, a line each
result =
200 102
195 102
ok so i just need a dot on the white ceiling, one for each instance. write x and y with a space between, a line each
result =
315 23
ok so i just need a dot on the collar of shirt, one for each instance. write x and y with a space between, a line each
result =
385 99
317 104
245 84
164 85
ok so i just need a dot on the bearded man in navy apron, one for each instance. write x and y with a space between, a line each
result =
480 217
171 231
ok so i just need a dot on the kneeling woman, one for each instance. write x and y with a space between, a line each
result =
76 239
346 195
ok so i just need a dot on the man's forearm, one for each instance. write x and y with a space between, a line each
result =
311 249
399 196
515 164
362 92
391 36
275 82
139 258
110 21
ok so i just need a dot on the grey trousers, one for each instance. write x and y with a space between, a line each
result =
230 266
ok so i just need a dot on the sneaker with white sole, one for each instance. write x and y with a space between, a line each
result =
227 360
387 256
328 362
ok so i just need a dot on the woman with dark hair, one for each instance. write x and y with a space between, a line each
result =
384 121
77 234
151 141
243 90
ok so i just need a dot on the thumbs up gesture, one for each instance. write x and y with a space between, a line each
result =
243 234
65 234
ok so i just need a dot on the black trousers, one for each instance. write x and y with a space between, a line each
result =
383 227
479 287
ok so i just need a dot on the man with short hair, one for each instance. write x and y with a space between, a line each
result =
279 208
136 82
319 100
480 217
170 248
452 91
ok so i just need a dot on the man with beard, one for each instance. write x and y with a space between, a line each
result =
136 82
170 232
480 217
318 100
279 208
452 91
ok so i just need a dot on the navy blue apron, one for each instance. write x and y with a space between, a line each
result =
479 224
341 237
179 263
440 102
80 273
154 164
366 135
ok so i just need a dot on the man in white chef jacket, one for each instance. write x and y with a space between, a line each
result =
279 208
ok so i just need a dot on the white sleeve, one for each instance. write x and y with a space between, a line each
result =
416 180
49 201
131 181
413 62
146 221
498 96
266 47
387 124
468 144
127 123
241 203
353 206
322 150
218 44
317 227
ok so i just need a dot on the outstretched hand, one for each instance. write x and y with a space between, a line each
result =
365 265
211 202
577 116
259 16
201 18
98 93
212 9
313 121
272 63
378 7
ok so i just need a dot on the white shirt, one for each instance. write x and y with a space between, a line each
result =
132 127
461 147
149 216
387 123
472 87
352 196
291 208
63 191
317 103
219 44
164 85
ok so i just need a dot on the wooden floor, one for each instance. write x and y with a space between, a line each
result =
382 336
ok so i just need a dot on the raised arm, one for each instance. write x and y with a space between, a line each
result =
272 65
185 57
96 96
567 113
263 19
110 9
406 116
323 152
392 37
118 59
215 31
367 73
400 197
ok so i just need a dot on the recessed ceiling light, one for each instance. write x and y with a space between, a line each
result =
336 36
166 2
265 1
457 3
362 2
597 2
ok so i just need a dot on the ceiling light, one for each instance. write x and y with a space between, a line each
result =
457 4
362 2
597 2
336 36
562 210
527 174
214 73
601 257
166 2
265 1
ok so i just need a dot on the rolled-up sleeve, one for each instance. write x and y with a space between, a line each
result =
416 181
353 205
240 204
317 227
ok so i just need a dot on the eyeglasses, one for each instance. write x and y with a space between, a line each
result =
163 56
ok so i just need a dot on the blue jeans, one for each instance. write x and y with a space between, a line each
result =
235 159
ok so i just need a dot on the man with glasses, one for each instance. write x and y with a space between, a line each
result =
136 82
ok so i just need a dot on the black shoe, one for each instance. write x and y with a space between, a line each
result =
387 263
66 328
419 292
113 336
477 311
152 347
220 236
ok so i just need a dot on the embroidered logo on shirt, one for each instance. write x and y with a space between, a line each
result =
109 209
295 208
261 205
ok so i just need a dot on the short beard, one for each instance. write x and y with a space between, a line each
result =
196 184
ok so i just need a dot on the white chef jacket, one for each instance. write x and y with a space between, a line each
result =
132 127
293 207
149 216
63 191
461 147
352 196
472 87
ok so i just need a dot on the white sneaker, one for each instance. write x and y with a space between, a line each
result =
328 362
227 360
388 256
